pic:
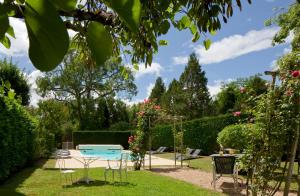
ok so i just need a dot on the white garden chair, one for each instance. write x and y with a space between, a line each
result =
117 165
65 173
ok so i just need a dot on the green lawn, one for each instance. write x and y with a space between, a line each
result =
39 181
202 163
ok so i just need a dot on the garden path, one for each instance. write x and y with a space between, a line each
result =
203 179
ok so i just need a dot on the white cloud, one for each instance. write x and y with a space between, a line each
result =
19 46
132 102
155 69
31 78
215 88
287 50
273 65
180 60
236 45
149 89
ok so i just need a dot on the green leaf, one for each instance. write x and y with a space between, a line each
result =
48 36
184 22
5 42
136 66
196 37
99 41
164 27
128 10
207 43
10 31
66 5
193 29
4 23
163 42
11 94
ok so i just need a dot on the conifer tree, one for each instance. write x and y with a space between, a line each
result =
158 91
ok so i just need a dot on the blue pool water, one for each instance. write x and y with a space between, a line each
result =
109 152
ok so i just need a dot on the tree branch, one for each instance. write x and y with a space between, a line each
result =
106 18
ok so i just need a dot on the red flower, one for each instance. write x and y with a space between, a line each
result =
242 90
289 92
295 74
131 139
141 113
238 113
157 107
146 101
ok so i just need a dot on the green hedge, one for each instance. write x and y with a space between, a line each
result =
199 133
101 137
16 136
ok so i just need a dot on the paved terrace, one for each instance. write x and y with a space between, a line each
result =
75 162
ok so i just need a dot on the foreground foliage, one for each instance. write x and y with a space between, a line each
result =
16 134
106 26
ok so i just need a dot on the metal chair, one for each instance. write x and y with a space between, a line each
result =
118 166
66 173
225 165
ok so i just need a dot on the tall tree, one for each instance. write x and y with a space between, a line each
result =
193 83
107 26
79 82
158 91
173 100
9 72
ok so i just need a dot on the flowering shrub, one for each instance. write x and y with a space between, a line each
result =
138 143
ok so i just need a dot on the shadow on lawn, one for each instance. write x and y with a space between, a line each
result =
98 183
9 187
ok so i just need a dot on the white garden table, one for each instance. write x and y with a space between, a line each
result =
86 161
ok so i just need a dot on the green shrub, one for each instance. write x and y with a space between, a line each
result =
199 133
16 136
101 137
236 136
120 126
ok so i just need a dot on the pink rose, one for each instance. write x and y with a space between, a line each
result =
289 92
157 107
238 113
242 90
146 101
295 74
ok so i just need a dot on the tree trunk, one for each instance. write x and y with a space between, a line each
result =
292 160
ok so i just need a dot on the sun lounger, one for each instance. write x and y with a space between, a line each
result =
159 150
190 154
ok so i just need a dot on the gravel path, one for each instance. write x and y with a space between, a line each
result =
203 179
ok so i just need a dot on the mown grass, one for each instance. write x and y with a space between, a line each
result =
202 163
46 181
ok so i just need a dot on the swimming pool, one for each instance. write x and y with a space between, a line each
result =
109 152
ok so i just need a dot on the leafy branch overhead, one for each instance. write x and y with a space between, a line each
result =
108 26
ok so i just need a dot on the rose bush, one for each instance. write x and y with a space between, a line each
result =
138 143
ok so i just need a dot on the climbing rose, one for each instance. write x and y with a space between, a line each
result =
242 90
146 101
295 74
157 107
238 113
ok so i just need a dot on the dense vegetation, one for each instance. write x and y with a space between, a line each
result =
17 135
198 133
10 73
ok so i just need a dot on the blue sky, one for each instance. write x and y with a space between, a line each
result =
241 48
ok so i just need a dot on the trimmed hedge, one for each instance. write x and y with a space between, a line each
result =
199 133
16 137
101 137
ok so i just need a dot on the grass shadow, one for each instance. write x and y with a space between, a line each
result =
9 186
